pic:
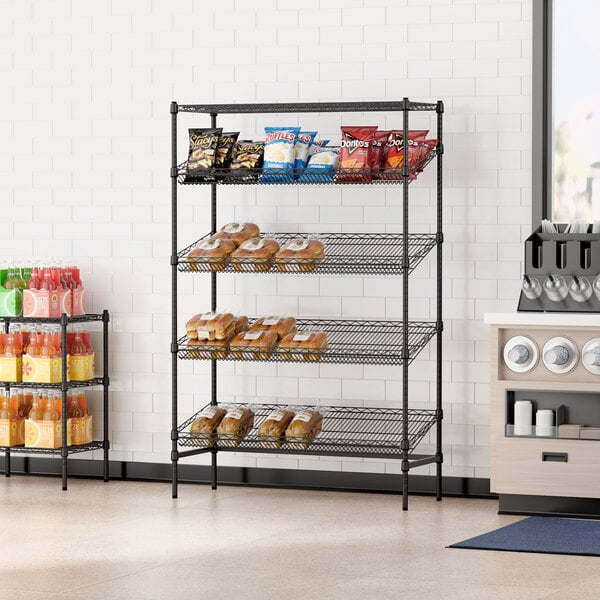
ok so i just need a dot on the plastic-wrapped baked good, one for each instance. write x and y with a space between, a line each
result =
304 428
240 324
216 349
303 345
253 345
210 326
235 426
255 253
272 429
238 233
211 254
206 423
282 326
300 255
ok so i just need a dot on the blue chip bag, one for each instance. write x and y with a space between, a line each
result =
317 144
301 148
321 166
278 165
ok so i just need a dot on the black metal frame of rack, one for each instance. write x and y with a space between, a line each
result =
359 432
64 451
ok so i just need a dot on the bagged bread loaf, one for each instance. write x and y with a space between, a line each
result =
211 254
253 345
272 429
205 425
303 345
235 426
238 233
282 326
217 348
210 326
300 255
304 428
255 253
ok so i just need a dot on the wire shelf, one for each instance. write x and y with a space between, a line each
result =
52 386
71 449
51 320
224 176
345 254
348 342
361 432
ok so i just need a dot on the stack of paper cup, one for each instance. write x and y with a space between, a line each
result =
544 422
523 417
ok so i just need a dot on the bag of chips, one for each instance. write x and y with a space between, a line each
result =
201 158
394 152
278 166
355 154
246 162
316 144
225 149
378 150
301 147
426 147
321 166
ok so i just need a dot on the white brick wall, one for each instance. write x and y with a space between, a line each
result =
84 174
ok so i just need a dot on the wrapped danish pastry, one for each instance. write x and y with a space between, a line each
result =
211 254
300 255
238 233
254 254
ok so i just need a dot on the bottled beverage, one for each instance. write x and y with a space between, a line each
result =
6 412
12 347
47 281
67 279
36 413
10 282
74 410
33 348
24 403
531 287
35 280
19 279
50 413
555 288
78 346
580 289
47 349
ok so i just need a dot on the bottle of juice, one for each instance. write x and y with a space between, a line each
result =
47 281
10 282
51 414
25 400
74 410
6 412
36 412
55 339
12 347
19 279
35 280
47 349
78 347
33 348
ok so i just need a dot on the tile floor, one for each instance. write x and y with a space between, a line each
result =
133 541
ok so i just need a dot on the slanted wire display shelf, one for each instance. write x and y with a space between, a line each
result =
346 254
373 432
64 451
349 342
357 432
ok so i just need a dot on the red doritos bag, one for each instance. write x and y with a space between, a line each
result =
378 150
394 152
426 147
355 154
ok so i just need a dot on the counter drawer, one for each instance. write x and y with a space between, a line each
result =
547 467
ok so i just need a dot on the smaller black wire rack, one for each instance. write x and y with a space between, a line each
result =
348 342
345 254
347 431
96 445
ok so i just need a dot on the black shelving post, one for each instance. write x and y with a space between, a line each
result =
64 386
213 307
174 450
439 323
105 384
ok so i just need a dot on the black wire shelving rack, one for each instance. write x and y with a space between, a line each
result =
356 432
64 451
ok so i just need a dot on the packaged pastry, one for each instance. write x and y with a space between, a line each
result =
209 349
301 148
300 255
304 428
211 254
206 423
278 165
255 253
224 150
253 345
322 166
246 161
240 324
235 426
355 155
394 152
210 326
238 233
272 429
282 326
303 345
202 152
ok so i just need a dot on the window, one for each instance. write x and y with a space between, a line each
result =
566 110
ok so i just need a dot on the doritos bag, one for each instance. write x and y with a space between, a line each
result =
394 152
355 154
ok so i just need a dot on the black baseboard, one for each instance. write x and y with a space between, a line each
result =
275 478
516 504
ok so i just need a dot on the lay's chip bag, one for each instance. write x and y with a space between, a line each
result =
278 165
301 149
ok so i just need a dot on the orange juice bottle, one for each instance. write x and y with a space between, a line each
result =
25 399
78 347
33 348
6 412
55 340
74 410
12 347
51 414
47 349
36 413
